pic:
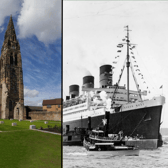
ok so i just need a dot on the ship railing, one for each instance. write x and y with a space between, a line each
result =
104 138
115 138
69 104
76 107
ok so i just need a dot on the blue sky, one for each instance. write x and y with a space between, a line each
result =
38 29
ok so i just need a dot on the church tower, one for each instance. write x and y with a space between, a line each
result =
11 76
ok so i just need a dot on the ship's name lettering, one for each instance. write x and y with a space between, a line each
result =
137 105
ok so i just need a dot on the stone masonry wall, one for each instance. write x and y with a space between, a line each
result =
44 115
24 114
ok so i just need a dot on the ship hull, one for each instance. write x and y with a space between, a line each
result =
144 122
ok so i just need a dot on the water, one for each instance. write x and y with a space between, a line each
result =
76 157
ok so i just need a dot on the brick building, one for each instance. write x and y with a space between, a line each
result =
51 110
11 76
52 105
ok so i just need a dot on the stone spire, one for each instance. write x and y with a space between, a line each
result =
11 76
10 32
10 39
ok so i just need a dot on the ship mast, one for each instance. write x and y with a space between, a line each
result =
127 63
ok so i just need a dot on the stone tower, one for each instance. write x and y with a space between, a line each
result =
11 76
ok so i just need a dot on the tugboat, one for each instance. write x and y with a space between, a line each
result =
99 142
74 137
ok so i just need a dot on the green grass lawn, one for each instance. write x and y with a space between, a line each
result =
22 125
29 148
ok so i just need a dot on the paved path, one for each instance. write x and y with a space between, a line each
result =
15 130
46 131
34 130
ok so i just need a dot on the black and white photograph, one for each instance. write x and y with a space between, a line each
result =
115 84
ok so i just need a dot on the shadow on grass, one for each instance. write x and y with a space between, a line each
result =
55 129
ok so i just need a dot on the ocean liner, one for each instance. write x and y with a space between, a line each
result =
136 117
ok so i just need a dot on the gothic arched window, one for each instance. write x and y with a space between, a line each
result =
10 105
15 59
9 44
11 59
18 110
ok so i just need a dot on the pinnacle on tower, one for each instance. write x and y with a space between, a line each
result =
10 24
10 32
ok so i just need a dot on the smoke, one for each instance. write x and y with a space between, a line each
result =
96 101
106 100
103 95
87 72
104 62
91 93
108 104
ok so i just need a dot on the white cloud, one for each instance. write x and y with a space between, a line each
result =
30 93
40 18
8 7
52 97
32 103
1 29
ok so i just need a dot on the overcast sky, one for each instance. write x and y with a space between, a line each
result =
38 29
92 30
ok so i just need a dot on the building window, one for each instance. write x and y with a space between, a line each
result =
11 59
58 106
48 106
9 44
10 105
15 59
18 111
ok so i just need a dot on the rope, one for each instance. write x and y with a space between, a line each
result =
138 124
121 121
117 85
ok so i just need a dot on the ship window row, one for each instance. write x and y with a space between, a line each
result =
74 108
74 112
69 104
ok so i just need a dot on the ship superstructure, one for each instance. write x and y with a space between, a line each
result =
128 112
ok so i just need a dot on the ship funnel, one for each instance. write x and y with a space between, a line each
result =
74 91
67 129
107 117
105 76
88 82
89 123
